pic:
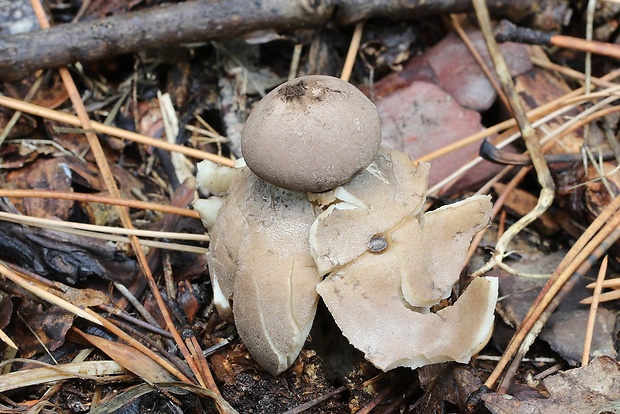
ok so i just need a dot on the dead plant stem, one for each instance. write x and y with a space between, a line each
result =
91 198
69 119
607 222
108 178
532 141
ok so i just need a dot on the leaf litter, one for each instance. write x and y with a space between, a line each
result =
213 87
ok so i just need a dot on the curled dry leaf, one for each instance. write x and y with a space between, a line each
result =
131 359
591 389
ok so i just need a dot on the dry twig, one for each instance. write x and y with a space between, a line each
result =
110 130
91 198
597 238
108 178
201 21
532 141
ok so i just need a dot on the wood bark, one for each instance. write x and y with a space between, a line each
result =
205 20
64 257
167 25
351 11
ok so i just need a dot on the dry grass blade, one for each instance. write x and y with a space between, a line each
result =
110 130
137 204
107 233
90 370
110 182
130 358
43 294
61 225
7 340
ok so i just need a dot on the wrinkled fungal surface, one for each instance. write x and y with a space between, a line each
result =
369 308
259 253
371 253
390 189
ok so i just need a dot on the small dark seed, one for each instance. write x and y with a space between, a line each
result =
377 244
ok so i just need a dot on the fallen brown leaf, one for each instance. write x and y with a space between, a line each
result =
591 389
130 358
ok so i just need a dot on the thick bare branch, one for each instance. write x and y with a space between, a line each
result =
351 11
167 25
204 20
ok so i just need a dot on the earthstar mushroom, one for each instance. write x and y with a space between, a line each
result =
384 261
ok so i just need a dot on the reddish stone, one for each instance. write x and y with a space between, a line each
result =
422 118
450 65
